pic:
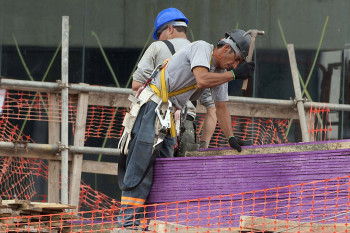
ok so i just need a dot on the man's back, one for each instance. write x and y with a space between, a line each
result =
156 54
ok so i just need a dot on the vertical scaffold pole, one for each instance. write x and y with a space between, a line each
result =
297 90
64 120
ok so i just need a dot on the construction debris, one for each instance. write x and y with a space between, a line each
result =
27 216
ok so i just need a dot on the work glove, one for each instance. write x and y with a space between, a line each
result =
235 143
244 71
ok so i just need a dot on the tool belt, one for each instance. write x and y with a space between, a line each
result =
130 118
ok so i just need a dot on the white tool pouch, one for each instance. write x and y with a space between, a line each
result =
130 118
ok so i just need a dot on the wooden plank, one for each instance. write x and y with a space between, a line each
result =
275 149
55 206
88 166
54 137
275 225
108 99
257 110
100 167
79 137
106 227
235 109
15 201
29 154
297 90
170 227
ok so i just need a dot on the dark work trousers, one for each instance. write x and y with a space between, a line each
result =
140 152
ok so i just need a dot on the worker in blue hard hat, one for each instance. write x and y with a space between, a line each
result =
170 32
169 17
169 26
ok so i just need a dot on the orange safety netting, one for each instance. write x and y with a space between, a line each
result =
318 206
106 122
320 128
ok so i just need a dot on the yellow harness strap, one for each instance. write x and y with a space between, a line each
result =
163 87
164 95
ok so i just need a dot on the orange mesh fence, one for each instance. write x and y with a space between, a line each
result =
91 199
320 128
106 122
18 176
257 131
21 105
319 206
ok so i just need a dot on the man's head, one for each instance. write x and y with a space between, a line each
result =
167 21
233 49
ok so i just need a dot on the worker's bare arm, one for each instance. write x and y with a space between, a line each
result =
136 85
206 79
224 118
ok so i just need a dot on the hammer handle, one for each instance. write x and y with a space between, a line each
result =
250 58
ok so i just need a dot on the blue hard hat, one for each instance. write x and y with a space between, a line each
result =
165 16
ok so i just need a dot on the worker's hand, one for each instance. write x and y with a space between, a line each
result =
244 71
235 143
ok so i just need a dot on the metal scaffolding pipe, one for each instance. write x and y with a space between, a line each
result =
53 148
288 103
333 107
64 122
5 83
101 89
250 100
94 150
29 146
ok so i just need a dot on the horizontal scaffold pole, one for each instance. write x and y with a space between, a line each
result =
53 148
6 83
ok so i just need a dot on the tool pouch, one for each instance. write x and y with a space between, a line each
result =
188 138
130 118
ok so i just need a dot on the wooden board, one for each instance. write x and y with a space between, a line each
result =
172 227
275 149
274 225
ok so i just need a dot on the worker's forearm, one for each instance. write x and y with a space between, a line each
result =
214 79
206 79
224 118
136 85
209 125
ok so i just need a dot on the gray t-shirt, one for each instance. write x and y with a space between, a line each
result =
178 73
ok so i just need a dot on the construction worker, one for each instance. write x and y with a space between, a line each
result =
170 31
184 77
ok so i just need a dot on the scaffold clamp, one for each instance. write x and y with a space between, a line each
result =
18 145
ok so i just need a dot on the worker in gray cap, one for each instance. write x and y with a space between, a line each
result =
195 67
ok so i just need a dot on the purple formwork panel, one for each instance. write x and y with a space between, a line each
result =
253 180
